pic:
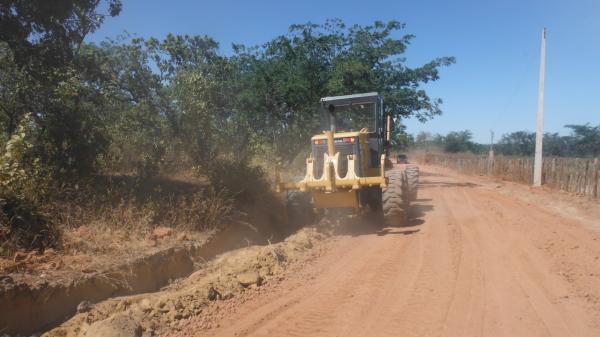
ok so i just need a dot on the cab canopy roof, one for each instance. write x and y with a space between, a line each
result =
369 97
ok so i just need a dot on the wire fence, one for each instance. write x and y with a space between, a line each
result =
576 175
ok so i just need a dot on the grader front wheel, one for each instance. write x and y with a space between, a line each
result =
396 199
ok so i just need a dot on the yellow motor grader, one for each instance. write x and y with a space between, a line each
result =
348 165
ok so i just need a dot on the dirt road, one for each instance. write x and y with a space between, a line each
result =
475 261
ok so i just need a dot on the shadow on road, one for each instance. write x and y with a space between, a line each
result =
372 223
417 211
388 231
430 184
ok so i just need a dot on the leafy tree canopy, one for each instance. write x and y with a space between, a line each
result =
584 141
284 78
134 103
48 32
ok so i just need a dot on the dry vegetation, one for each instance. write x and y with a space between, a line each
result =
117 215
93 135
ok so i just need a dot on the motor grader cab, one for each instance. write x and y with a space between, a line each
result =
347 164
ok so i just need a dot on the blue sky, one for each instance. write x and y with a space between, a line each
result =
493 85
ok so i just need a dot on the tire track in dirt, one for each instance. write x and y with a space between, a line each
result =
520 267
415 316
532 270
335 310
258 319
315 308
401 277
465 315
504 308
475 266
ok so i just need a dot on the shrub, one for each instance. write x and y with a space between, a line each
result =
206 211
240 179
23 227
22 184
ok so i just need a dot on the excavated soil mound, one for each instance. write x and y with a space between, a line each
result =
222 278
34 304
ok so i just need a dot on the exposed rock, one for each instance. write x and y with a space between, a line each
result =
213 294
115 326
145 304
84 306
249 278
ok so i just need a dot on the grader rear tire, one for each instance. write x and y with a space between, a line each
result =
412 177
395 199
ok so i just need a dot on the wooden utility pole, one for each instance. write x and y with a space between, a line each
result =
539 135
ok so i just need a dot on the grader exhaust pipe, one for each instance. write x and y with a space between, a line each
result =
388 132
332 126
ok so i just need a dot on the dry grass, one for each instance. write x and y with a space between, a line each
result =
23 226
107 219
113 209
126 205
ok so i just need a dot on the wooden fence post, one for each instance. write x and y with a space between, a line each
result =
595 179
576 175
553 170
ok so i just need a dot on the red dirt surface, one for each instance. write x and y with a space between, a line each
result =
479 258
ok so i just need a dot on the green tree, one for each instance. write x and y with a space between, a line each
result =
401 140
459 141
283 80
556 145
47 34
520 143
16 89
55 79
585 140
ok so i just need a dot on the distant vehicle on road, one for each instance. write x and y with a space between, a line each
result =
401 159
